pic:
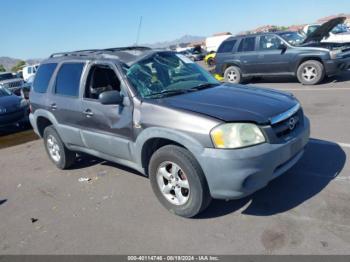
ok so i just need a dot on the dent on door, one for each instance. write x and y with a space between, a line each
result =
108 129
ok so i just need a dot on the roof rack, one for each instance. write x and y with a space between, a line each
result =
91 51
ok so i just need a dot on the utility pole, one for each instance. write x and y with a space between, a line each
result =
138 32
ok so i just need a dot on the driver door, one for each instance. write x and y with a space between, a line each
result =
106 129
272 59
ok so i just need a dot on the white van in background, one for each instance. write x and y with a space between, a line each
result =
212 43
29 71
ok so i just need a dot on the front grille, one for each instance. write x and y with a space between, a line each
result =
15 84
284 128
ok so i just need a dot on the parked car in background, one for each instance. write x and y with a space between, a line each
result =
162 114
12 83
209 59
281 53
212 43
29 71
14 110
195 54
339 34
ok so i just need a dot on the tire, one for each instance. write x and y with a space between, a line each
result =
311 72
210 62
233 75
62 157
195 197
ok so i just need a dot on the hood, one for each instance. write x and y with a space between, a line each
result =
324 29
233 103
11 103
12 80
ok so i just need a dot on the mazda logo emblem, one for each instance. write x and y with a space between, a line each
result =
292 122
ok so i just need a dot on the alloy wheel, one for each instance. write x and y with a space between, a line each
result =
53 148
173 183
309 73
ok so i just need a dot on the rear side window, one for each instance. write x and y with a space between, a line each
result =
68 79
42 77
247 45
227 46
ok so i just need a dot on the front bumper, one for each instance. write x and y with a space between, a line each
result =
335 66
233 174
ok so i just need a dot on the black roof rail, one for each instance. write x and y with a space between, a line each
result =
89 51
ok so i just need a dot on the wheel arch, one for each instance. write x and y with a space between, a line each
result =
43 119
151 139
307 58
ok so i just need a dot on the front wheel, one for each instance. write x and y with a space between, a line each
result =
178 181
311 72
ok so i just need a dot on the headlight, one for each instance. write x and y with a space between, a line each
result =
334 53
236 135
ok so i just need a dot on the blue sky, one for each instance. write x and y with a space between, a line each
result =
37 28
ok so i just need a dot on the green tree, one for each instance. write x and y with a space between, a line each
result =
2 68
18 66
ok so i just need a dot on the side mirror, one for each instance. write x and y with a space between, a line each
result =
110 98
282 46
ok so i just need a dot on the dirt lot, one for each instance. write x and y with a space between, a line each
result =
306 211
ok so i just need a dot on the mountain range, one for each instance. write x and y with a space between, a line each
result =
9 62
183 39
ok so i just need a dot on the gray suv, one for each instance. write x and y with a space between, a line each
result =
283 53
160 113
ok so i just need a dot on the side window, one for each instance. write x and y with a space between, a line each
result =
42 77
227 46
29 70
247 45
269 42
68 79
101 78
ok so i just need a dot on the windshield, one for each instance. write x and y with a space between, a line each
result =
4 92
340 29
293 38
6 76
167 73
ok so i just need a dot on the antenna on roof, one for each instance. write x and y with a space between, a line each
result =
138 32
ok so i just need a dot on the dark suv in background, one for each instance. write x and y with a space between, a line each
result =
162 114
283 53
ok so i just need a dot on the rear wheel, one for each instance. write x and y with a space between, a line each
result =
62 157
311 72
178 181
233 75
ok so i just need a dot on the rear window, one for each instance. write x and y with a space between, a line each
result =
247 45
42 77
68 79
227 46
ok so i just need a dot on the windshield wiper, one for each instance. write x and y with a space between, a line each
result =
169 92
204 86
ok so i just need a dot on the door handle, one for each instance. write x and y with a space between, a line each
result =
53 106
88 113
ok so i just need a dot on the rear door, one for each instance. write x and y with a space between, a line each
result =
64 103
247 54
225 51
272 59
